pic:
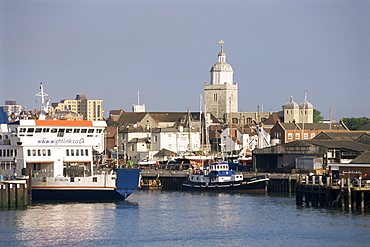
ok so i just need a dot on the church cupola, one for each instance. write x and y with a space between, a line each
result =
222 72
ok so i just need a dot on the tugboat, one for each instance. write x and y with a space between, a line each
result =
219 177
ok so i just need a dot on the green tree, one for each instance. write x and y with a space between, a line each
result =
317 118
355 123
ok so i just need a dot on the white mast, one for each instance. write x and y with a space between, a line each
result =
44 106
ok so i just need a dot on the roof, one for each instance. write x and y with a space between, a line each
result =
363 158
339 135
350 145
365 127
313 126
272 119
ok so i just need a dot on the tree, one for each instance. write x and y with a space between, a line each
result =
355 123
317 118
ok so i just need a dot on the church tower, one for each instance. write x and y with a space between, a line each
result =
221 95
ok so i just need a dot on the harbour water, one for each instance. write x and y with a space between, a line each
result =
160 218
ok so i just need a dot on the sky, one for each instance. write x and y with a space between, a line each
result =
164 49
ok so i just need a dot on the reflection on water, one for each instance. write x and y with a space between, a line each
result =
184 219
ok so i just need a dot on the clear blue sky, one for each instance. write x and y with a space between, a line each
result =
110 50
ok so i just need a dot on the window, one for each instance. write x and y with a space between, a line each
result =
297 136
53 130
44 152
38 152
28 152
76 131
290 136
22 130
305 135
91 131
49 152
83 130
68 130
46 130
67 152
72 152
86 152
95 179
312 135
30 130
82 152
77 152
33 152
38 130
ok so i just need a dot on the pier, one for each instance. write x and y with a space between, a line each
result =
14 194
319 191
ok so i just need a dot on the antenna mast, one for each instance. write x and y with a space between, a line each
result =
44 106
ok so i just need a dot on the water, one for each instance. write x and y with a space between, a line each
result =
158 218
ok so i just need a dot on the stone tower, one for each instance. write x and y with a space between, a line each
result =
221 95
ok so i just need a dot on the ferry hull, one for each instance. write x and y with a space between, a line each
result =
127 182
49 194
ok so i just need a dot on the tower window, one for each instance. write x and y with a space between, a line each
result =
215 97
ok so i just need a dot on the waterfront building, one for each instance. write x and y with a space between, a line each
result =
92 110
288 132
12 110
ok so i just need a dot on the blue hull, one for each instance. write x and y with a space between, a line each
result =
127 182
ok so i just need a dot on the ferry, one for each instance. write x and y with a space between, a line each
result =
57 156
219 177
62 159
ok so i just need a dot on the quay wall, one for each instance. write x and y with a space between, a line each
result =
173 179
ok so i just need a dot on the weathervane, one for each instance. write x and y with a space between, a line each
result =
221 42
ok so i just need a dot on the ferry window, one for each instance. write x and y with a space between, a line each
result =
38 152
1 152
82 152
33 152
49 152
91 131
30 130
98 130
68 130
38 130
72 152
83 130
76 131
95 179
61 130
72 179
46 130
53 130
22 130
29 152
44 152
86 152
67 152
77 152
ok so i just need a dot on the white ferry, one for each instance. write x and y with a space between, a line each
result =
58 157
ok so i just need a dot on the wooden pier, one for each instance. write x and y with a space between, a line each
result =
14 194
318 191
